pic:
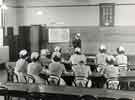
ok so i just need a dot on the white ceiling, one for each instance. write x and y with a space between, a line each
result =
63 2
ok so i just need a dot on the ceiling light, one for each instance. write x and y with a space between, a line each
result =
39 13
3 6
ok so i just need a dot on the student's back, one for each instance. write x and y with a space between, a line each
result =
101 58
45 61
111 71
76 58
121 59
34 68
81 70
56 68
21 66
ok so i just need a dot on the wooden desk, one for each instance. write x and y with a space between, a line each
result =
64 90
98 80
127 80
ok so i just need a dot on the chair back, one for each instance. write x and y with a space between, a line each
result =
15 77
53 80
12 76
29 78
131 67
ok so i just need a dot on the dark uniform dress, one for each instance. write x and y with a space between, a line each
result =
76 43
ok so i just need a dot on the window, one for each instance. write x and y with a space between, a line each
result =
1 22
107 14
1 13
1 37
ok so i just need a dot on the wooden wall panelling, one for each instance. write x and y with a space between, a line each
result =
5 38
93 36
113 37
10 36
24 40
40 40
35 34
44 37
17 45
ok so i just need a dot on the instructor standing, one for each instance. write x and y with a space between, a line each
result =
76 43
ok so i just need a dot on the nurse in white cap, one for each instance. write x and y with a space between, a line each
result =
77 57
111 73
35 68
121 59
101 58
44 59
21 65
57 51
81 73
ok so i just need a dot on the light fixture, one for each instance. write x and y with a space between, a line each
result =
39 12
107 24
3 6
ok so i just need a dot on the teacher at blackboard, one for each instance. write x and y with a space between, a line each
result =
76 43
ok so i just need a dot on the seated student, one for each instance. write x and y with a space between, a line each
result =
66 62
35 68
81 72
77 57
101 58
68 67
56 69
57 50
44 58
21 65
121 59
111 73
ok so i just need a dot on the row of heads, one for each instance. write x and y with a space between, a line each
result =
35 55
24 55
120 49
59 49
42 52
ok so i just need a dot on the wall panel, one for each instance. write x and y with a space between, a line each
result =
113 37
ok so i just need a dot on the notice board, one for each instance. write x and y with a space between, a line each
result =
59 35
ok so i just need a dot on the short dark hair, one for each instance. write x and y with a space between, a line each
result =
120 52
35 59
81 62
109 61
77 53
102 50
23 56
56 58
